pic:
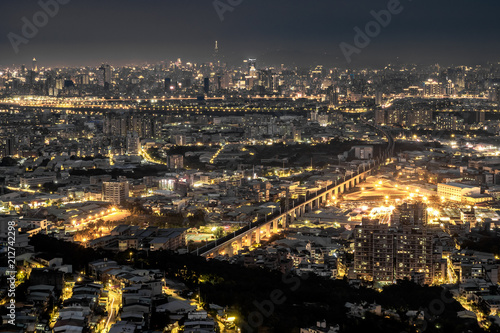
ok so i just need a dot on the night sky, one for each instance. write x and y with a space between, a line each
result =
119 32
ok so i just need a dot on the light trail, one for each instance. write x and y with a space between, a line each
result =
110 315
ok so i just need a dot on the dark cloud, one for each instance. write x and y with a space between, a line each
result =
88 32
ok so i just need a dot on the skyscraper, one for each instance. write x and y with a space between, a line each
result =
105 76
10 147
216 56
432 88
252 67
133 144
206 85
380 116
374 251
379 97
168 84
480 116
384 253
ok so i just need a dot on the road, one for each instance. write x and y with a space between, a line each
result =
110 314
113 308
116 216
113 216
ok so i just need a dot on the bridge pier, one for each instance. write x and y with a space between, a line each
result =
222 252
275 225
248 240
268 230
257 236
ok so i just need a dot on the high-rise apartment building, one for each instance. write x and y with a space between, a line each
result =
385 253
374 251
105 76
115 192
432 88
176 162
206 85
133 144
380 116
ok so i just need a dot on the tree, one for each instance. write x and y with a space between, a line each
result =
197 219
219 232
50 187
8 161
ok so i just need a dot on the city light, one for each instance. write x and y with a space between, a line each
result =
153 179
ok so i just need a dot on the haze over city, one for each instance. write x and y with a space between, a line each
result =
291 32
